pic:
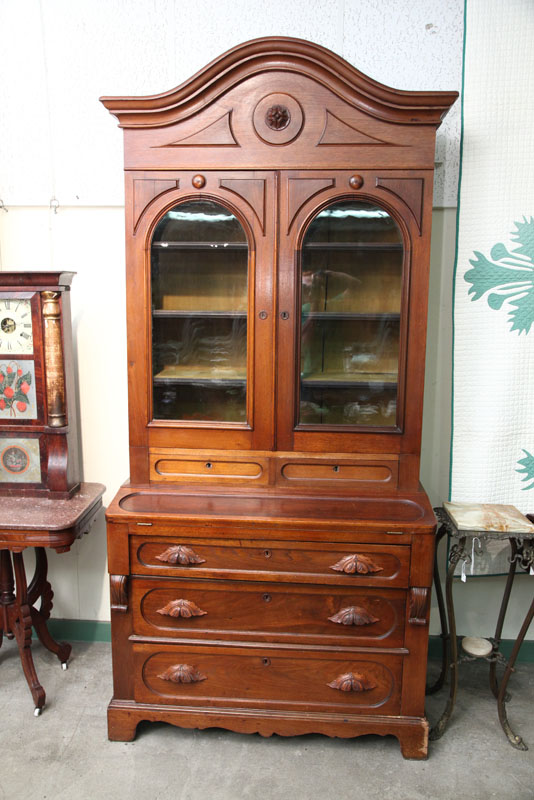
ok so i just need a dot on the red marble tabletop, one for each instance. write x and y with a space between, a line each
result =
35 513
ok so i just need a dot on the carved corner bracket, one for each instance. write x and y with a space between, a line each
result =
118 585
418 600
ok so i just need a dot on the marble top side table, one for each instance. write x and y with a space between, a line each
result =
469 522
38 523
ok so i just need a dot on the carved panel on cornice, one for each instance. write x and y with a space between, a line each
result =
146 190
215 134
410 191
300 190
336 132
252 190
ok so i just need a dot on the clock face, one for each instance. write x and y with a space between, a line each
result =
16 332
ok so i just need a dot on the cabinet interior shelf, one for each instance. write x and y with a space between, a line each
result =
327 316
182 373
333 316
164 313
335 380
200 245
344 380
352 246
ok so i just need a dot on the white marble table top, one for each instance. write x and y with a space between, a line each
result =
490 517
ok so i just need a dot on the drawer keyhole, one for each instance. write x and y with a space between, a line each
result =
336 468
267 553
266 662
209 465
267 598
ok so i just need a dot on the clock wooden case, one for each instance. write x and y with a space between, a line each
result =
38 436
271 556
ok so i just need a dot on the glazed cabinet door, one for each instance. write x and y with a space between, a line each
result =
204 270
347 254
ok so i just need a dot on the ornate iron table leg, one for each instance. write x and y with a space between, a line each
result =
457 552
435 687
525 556
496 641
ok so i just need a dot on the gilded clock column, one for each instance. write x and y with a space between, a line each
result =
54 366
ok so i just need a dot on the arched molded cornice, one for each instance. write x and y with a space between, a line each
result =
280 54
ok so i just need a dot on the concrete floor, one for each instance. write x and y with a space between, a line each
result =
65 752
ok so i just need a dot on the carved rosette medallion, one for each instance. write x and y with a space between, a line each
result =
278 119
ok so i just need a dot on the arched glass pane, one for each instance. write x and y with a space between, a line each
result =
352 257
199 266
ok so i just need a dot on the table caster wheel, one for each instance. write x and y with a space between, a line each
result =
64 665
37 711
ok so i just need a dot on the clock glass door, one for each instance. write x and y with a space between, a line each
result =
200 286
351 281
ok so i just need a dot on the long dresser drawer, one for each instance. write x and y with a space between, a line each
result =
263 677
268 611
338 563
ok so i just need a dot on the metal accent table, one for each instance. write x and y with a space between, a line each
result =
39 523
485 522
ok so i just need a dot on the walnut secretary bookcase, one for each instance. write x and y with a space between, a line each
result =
271 555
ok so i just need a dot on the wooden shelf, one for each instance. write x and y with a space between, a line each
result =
353 246
200 245
348 380
333 316
164 313
187 374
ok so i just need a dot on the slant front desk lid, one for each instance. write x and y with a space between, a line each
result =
354 511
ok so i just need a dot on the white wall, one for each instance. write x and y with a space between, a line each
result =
57 141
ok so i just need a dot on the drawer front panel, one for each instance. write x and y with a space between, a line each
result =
267 678
356 564
268 611
164 466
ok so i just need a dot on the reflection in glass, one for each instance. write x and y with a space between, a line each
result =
351 298
199 264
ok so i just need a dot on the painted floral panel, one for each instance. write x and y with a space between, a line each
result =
17 390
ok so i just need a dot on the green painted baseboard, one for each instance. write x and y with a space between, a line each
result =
80 630
86 630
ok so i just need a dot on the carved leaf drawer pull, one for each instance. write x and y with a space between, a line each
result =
180 554
352 682
182 673
181 608
354 615
356 563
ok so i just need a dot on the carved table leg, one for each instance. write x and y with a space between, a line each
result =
40 587
435 687
21 625
500 622
456 554
7 593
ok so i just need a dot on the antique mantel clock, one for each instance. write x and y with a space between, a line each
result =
38 439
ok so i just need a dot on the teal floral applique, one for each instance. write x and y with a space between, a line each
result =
508 276
528 468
